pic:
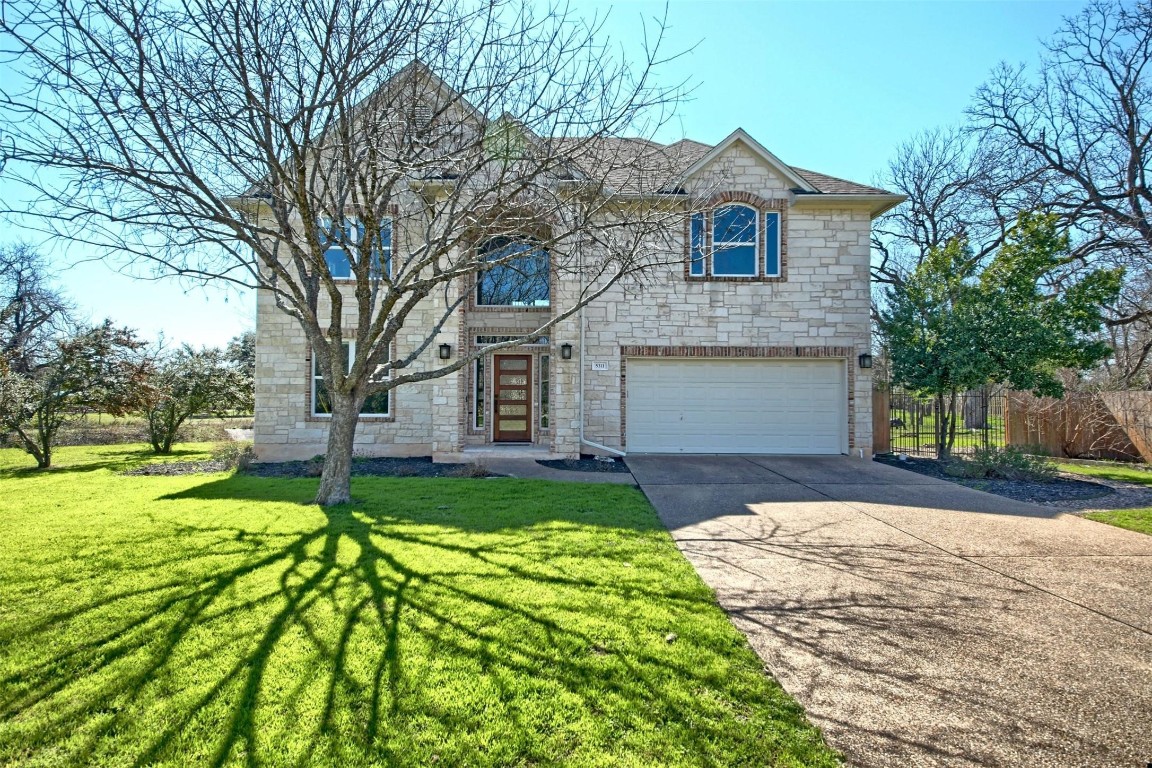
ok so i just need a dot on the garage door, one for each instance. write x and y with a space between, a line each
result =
736 406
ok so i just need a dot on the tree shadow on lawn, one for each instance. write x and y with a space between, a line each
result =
114 457
434 621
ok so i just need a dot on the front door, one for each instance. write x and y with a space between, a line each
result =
512 399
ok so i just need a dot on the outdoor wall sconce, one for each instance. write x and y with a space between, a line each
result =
445 351
865 360
566 351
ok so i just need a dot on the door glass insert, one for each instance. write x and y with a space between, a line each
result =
514 381
513 364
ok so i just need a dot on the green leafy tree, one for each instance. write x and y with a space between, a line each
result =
241 353
953 326
98 368
188 382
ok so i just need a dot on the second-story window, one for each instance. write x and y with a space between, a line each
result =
341 242
735 241
521 279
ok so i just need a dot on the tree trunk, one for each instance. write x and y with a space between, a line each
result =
336 479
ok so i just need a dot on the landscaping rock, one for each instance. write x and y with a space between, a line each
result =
1038 492
586 463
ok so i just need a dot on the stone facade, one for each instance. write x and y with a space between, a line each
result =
818 307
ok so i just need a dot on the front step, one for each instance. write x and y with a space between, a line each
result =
475 454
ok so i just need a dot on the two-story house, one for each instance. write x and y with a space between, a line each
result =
748 340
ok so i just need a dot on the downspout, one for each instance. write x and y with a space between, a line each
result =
580 361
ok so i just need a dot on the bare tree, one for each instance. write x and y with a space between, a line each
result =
243 142
1082 122
959 184
32 312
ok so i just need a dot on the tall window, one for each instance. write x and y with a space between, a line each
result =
478 395
341 241
375 404
520 281
544 376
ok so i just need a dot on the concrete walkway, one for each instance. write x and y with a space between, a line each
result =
529 469
918 622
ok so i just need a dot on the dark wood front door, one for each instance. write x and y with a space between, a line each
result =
512 399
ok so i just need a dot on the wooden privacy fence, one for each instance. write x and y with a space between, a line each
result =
1109 425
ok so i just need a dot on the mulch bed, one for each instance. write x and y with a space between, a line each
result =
375 467
1057 489
586 463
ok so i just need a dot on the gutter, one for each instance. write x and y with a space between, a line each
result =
877 203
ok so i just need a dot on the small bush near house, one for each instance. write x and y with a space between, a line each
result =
1007 463
234 455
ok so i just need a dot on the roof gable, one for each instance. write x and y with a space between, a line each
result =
776 164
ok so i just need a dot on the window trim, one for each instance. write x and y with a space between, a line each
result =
700 214
316 376
718 245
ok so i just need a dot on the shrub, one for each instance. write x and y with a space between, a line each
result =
236 455
1008 463
470 470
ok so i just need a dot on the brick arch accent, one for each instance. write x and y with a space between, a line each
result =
762 205
748 198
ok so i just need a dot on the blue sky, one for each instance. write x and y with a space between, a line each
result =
830 86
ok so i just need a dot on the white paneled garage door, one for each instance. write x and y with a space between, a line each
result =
736 406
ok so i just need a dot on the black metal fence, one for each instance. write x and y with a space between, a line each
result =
980 422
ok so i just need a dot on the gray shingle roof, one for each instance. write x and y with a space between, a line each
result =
642 166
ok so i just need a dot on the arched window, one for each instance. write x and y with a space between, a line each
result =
735 241
520 280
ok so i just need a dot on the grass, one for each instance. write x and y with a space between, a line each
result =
222 620
1133 519
919 435
1116 472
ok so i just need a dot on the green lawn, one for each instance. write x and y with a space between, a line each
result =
1132 519
213 620
1117 472
918 434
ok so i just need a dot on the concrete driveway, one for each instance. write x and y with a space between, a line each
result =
919 622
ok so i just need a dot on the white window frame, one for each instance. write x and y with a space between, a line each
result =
717 245
316 375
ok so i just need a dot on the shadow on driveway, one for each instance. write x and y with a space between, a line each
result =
920 622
